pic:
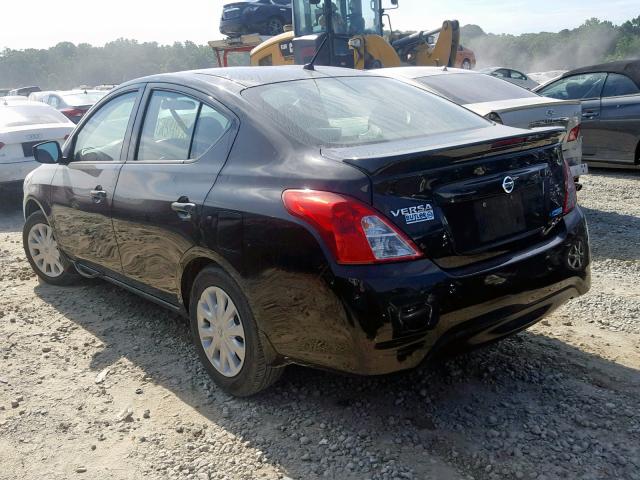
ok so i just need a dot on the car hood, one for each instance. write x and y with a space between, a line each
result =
485 108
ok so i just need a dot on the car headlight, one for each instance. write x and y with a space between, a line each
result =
494 117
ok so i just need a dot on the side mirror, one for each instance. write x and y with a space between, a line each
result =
47 152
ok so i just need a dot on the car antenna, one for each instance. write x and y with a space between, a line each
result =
310 65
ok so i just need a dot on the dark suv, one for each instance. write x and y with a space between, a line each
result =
330 218
266 17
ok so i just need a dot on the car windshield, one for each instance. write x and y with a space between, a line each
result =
82 98
466 88
344 111
21 115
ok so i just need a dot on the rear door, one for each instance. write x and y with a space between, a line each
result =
587 88
181 143
619 119
82 191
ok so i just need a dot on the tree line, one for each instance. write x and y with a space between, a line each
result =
593 42
67 65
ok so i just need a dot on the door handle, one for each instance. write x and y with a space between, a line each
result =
184 209
590 114
98 194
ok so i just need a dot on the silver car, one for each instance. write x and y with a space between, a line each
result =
510 75
502 102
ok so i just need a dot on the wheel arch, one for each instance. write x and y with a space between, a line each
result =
192 263
637 159
31 205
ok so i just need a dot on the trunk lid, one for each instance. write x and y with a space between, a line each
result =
467 196
19 141
533 112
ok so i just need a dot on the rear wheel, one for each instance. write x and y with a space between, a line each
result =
226 336
274 26
43 253
466 64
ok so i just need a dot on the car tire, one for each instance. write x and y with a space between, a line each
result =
466 64
43 254
226 336
274 26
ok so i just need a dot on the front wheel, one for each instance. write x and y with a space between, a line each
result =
42 251
274 26
226 336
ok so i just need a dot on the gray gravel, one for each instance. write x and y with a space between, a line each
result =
106 385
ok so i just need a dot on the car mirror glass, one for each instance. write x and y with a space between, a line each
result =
47 152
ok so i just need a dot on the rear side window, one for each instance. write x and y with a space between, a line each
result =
179 127
210 128
618 85
576 87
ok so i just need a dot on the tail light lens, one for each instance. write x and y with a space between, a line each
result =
354 232
1 145
570 195
494 117
574 134
72 112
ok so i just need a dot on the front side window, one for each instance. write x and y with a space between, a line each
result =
517 75
576 87
345 111
178 127
102 137
618 85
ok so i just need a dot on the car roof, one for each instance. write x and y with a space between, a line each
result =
244 77
630 68
417 72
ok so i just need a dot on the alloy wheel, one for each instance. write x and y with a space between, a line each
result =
44 250
274 26
221 332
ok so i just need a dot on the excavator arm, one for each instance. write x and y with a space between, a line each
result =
434 48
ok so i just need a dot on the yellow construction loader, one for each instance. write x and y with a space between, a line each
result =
349 33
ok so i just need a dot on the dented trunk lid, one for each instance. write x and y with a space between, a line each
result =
468 196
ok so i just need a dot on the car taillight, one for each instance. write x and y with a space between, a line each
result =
570 195
494 117
72 112
354 232
574 134
1 145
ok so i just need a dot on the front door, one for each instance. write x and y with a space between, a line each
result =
82 190
182 143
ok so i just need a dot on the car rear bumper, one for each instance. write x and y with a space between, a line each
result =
16 171
394 316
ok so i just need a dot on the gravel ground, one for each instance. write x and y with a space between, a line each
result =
95 382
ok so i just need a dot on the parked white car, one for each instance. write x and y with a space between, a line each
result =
510 75
24 124
502 102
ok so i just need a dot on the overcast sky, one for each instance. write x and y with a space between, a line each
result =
45 22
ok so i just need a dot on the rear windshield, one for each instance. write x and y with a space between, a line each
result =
465 88
21 115
347 111
80 99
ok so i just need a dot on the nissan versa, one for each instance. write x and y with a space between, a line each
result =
324 217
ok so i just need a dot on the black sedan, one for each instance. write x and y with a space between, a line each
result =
329 218
266 17
610 96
